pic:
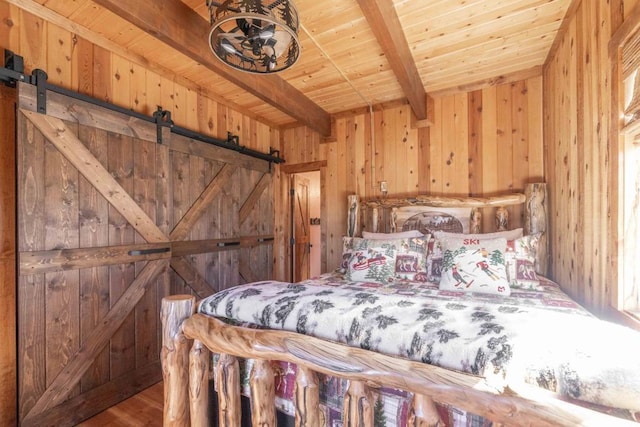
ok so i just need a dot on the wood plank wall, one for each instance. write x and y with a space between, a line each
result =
7 258
580 164
484 142
75 63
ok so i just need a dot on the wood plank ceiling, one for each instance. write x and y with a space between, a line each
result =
355 53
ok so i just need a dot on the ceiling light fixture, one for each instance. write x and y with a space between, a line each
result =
258 36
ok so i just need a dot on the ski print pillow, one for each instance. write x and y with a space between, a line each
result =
434 257
474 265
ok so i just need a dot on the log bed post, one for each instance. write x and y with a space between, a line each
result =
199 357
423 412
353 216
228 381
502 218
174 357
393 220
307 398
475 221
535 221
262 385
375 218
357 405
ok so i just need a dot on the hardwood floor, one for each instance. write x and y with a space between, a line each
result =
143 409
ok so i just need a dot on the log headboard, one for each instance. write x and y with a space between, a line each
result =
383 214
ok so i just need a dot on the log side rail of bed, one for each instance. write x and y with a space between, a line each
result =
188 337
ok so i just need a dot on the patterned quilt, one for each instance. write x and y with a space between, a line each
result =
540 337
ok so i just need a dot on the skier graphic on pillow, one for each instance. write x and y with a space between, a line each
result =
459 279
485 268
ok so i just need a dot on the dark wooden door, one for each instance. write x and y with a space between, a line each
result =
7 257
110 221
301 219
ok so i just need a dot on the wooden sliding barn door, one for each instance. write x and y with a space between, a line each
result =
111 219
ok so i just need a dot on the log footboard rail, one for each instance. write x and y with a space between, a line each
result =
188 337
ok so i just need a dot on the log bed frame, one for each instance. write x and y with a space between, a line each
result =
189 337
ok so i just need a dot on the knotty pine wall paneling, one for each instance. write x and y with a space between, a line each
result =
579 158
75 63
484 142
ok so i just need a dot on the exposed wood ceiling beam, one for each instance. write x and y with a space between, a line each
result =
180 27
385 24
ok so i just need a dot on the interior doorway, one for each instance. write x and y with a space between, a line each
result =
305 225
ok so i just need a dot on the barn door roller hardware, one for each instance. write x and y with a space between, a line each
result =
162 119
13 72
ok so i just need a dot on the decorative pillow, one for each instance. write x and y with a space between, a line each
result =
389 236
434 261
347 251
411 259
349 245
520 259
375 264
434 257
475 265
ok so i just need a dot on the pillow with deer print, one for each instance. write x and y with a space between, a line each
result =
520 259
474 264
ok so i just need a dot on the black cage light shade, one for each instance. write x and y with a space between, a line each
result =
257 36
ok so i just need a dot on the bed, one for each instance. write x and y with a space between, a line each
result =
424 308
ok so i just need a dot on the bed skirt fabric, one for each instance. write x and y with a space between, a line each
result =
391 406
538 337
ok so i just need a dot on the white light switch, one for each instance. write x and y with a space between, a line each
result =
383 186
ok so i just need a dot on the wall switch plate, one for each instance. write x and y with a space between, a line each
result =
383 186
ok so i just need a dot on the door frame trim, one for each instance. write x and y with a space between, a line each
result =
285 221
